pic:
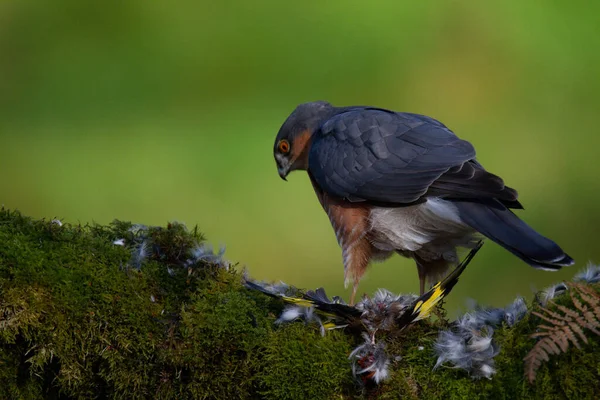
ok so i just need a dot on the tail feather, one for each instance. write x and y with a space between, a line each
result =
501 225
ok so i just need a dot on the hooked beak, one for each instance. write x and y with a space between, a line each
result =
283 166
283 172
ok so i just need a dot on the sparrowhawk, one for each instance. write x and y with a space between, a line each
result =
405 183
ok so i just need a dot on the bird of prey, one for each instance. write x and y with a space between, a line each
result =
404 183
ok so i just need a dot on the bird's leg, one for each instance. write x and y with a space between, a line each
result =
429 268
422 277
421 284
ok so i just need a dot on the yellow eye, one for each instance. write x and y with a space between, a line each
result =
284 146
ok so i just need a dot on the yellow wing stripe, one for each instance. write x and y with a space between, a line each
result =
298 301
331 325
423 308
307 303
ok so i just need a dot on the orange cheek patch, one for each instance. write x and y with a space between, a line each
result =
300 148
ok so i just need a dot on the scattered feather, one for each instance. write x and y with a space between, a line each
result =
471 350
551 292
469 344
590 275
137 229
119 242
139 254
370 360
292 313
482 316
203 253
515 311
280 288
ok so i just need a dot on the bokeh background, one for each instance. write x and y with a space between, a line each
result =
157 111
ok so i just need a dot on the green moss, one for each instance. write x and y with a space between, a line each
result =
78 319
301 364
219 340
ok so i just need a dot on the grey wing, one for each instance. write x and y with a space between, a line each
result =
383 157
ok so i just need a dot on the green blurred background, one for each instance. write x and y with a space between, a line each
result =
153 112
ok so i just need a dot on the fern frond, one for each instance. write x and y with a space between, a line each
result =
592 317
562 325
590 297
554 322
569 335
577 329
556 319
562 342
540 334
550 346
576 302
570 314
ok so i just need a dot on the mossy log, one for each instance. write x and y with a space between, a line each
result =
80 317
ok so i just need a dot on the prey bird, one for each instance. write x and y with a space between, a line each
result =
395 182
384 312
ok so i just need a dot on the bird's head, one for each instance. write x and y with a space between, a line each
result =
294 137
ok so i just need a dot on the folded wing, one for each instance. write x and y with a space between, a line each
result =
383 157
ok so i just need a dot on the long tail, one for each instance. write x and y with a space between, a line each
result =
501 225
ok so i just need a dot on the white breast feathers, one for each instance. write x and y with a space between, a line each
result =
410 228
